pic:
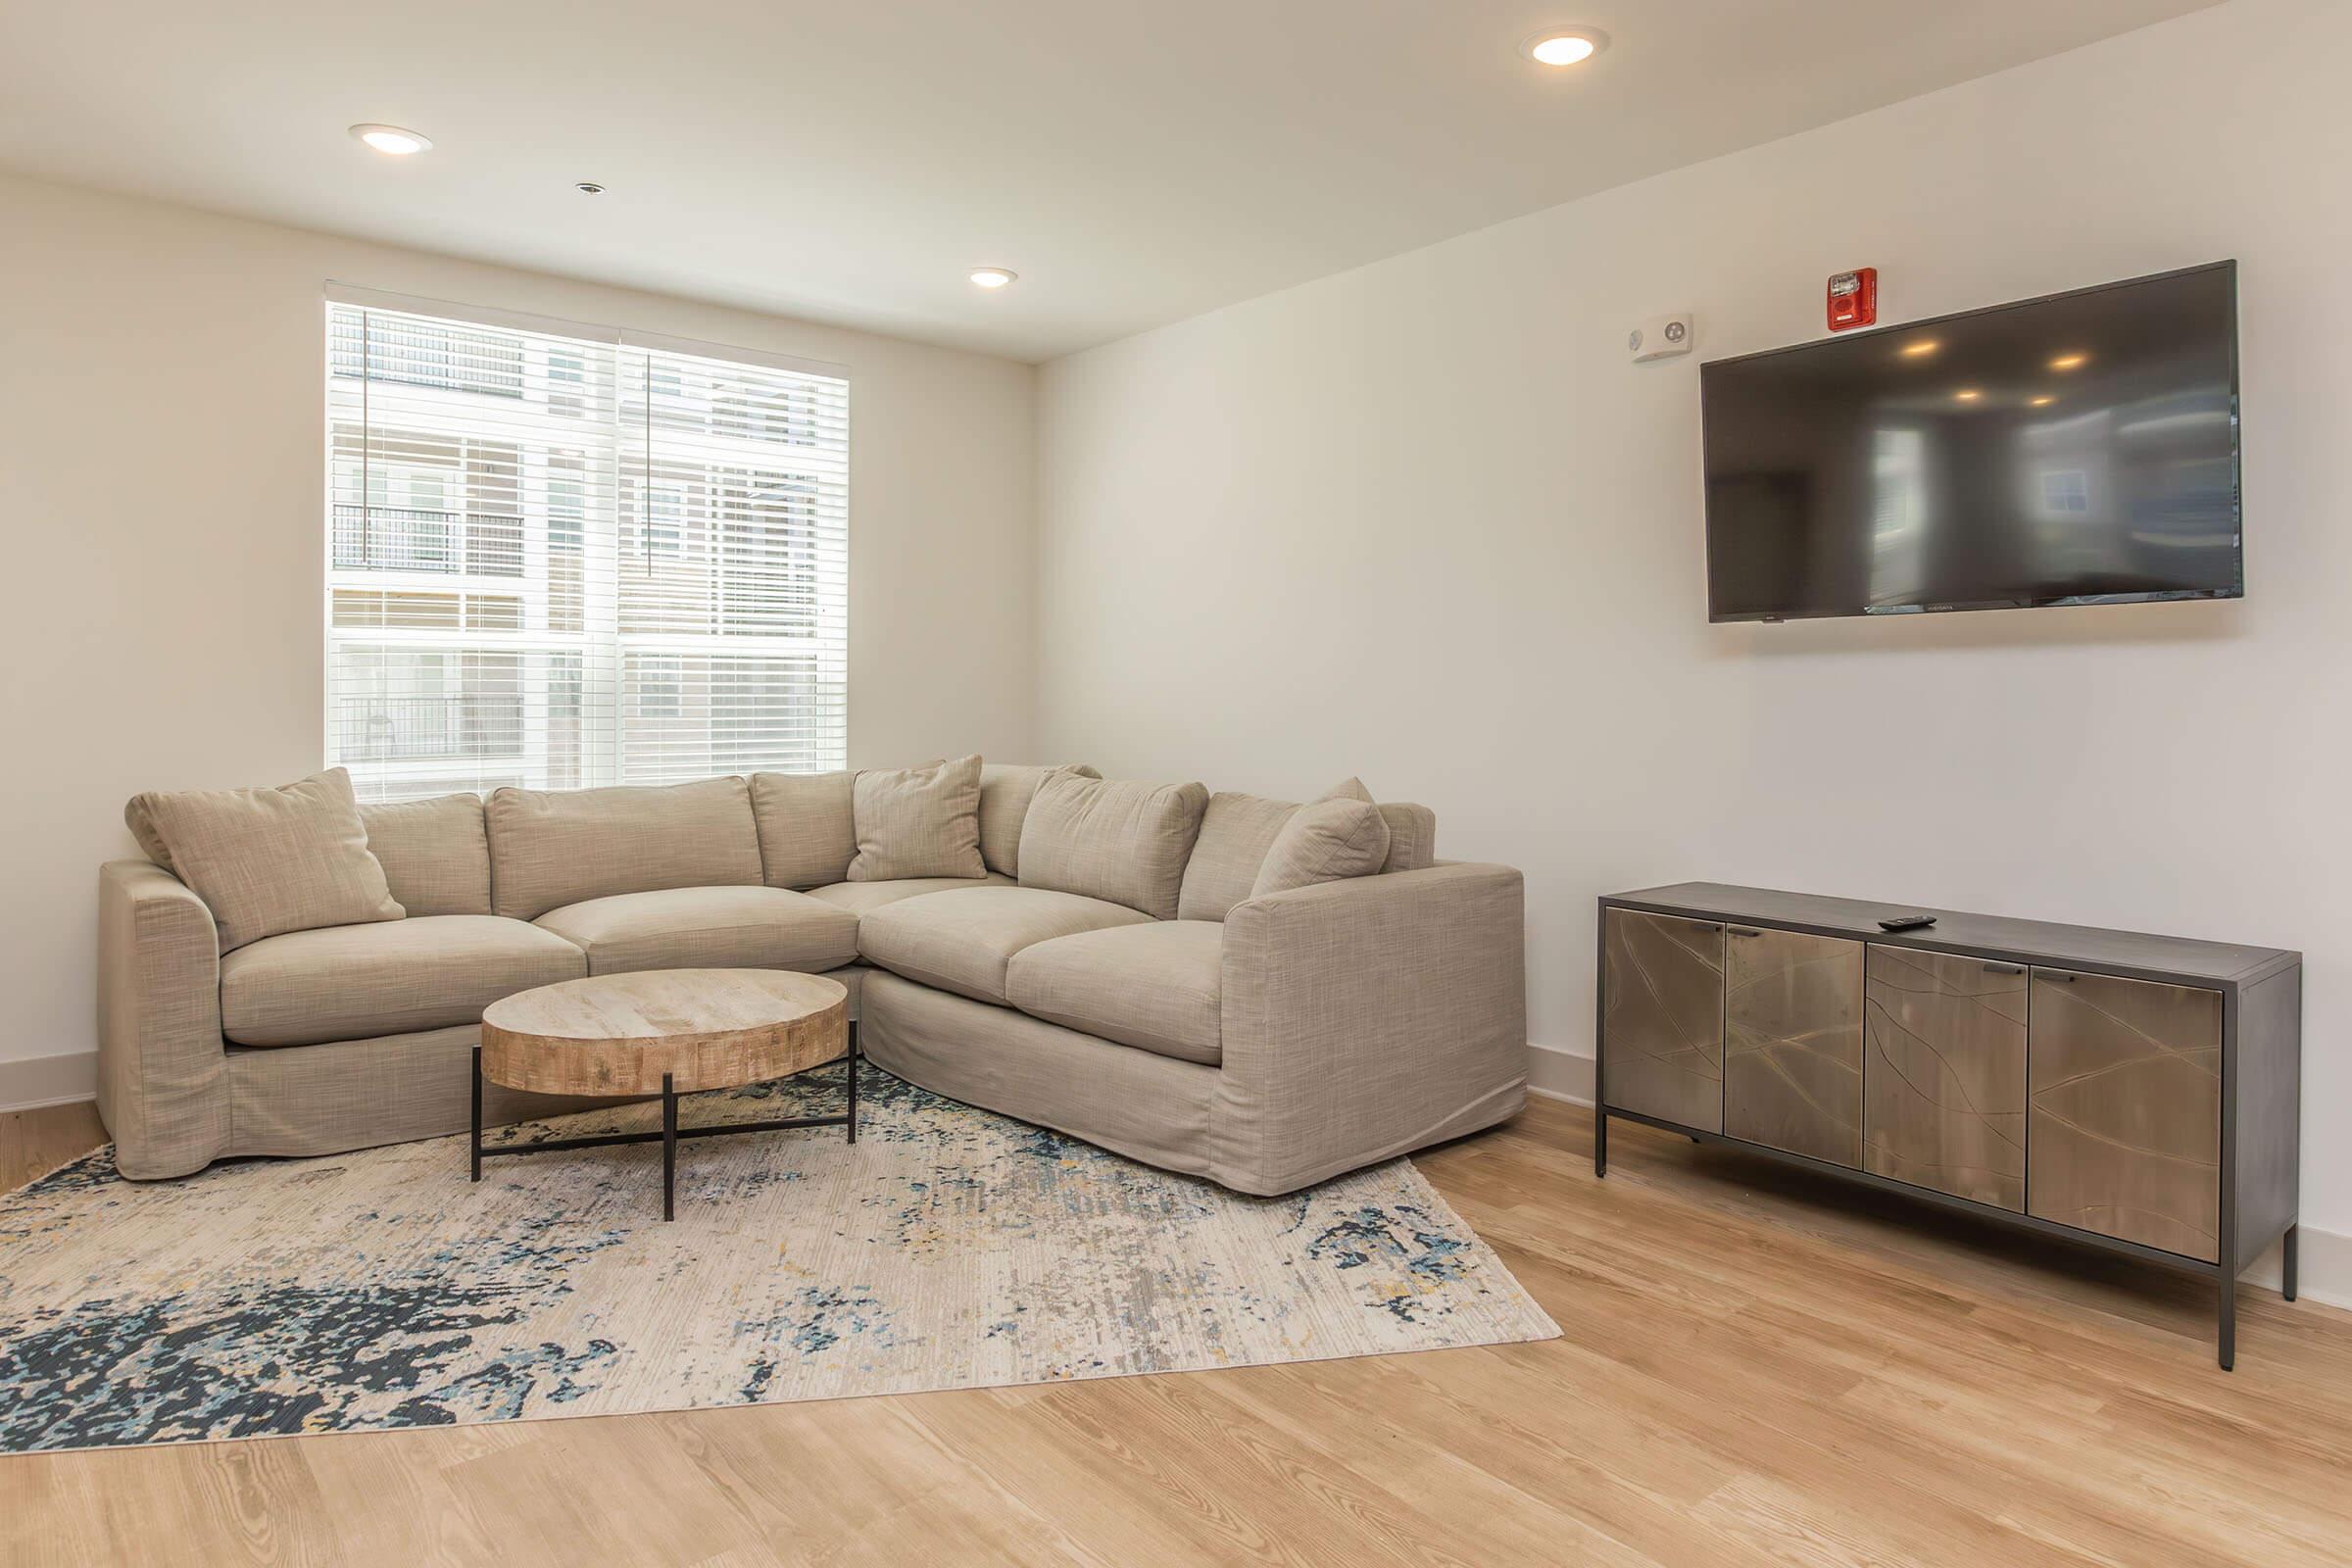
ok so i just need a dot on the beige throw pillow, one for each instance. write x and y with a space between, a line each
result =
918 821
270 861
1329 841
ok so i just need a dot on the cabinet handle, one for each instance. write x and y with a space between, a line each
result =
2062 979
1743 931
2004 968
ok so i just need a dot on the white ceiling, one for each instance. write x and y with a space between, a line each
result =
850 161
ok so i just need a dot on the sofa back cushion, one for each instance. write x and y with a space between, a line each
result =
1119 840
435 853
917 823
1235 834
267 862
1412 835
807 834
1240 829
1006 791
1329 841
549 848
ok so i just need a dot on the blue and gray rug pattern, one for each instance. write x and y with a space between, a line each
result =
950 1248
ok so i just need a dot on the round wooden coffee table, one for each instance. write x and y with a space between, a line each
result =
666 1032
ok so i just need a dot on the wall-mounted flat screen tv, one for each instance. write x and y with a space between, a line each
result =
2076 450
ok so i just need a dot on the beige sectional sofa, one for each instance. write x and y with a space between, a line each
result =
1111 974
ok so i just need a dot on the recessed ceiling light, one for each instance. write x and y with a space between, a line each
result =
1565 46
589 187
1921 349
1967 394
2070 361
992 277
2044 400
392 139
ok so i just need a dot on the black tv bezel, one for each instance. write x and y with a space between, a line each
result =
2238 467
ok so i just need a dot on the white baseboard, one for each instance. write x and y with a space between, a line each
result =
1558 1074
37 1081
2323 1270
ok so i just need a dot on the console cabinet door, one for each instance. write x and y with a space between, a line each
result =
1661 1034
1792 1042
1943 1074
2124 1130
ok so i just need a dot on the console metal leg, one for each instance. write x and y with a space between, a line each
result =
2227 1340
853 1082
477 1113
2287 1263
669 1148
1600 1142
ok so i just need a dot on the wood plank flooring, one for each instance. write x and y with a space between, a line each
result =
1759 1367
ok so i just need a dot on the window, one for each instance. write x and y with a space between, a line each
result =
2066 492
577 558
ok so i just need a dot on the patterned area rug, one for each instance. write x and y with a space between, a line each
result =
948 1248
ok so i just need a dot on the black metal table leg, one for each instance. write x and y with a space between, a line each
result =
669 1148
2287 1263
1600 1142
669 1131
2226 1341
477 1113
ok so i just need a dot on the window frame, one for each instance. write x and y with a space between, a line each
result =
567 660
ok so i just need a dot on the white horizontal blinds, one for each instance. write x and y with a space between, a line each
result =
558 562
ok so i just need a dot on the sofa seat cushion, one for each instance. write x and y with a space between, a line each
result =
962 941
864 898
1156 987
708 928
350 982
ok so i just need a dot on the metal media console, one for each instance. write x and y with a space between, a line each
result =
2138 1094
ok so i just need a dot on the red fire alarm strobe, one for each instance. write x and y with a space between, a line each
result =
1854 299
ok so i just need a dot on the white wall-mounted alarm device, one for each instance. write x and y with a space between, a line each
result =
1661 337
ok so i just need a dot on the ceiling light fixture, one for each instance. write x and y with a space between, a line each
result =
992 277
2070 361
2043 401
1921 349
589 187
1967 394
1565 46
393 140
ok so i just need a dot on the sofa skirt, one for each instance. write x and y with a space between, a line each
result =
356 1093
1149 1107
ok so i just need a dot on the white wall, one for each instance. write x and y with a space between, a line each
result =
161 452
1423 522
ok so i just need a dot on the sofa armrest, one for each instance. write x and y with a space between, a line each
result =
163 1069
1369 1017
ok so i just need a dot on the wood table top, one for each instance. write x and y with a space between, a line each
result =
620 1033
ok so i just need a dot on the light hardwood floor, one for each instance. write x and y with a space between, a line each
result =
1758 1367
